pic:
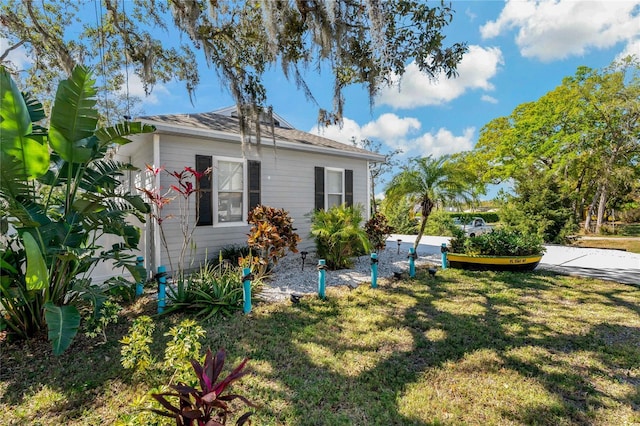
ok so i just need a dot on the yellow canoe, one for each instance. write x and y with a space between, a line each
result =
493 263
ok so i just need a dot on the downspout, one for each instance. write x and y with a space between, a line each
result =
369 195
156 248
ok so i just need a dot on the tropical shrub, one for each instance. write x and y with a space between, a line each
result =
539 207
231 253
338 235
440 223
271 233
60 192
401 215
209 405
500 242
378 230
135 353
212 290
183 346
97 326
186 185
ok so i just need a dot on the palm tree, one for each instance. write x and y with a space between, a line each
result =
428 182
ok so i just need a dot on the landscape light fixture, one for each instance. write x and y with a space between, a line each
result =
399 242
303 254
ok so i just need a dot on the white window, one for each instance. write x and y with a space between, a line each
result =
334 187
230 190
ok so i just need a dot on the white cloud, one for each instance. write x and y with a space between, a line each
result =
350 129
387 127
390 126
416 89
489 99
402 133
18 57
633 48
439 143
136 89
550 30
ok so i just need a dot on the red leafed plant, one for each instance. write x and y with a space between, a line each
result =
186 185
209 406
378 230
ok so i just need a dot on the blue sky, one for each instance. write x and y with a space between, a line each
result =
518 51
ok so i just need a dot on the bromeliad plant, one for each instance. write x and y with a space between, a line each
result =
59 194
210 405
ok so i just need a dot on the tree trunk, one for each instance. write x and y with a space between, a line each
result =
587 221
601 207
374 206
427 206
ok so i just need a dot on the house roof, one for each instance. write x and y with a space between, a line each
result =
213 125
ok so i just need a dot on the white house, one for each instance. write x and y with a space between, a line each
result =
302 172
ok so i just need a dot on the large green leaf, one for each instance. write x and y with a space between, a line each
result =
74 117
116 134
63 323
16 121
37 276
16 137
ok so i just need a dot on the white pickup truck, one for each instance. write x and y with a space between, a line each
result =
477 226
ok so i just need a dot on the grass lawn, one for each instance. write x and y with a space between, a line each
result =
619 243
463 348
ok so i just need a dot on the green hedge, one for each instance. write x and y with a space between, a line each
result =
489 217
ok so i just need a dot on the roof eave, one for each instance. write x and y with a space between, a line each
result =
235 138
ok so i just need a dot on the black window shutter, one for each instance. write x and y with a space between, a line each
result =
319 192
204 205
254 183
348 187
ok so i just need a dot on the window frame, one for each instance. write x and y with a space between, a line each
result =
216 191
342 194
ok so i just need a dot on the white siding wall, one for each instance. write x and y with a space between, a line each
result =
143 154
287 181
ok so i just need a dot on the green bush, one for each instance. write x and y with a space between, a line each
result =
338 235
231 253
212 290
61 191
440 223
500 242
401 216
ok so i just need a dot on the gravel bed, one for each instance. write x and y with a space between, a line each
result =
288 277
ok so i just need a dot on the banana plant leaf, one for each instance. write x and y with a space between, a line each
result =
16 138
74 118
63 323
37 276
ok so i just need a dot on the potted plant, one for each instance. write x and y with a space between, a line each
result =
500 250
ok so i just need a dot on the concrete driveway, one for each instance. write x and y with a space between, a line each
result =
613 265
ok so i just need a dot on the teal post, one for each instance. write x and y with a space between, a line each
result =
412 262
322 266
140 284
374 270
246 289
443 250
162 288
